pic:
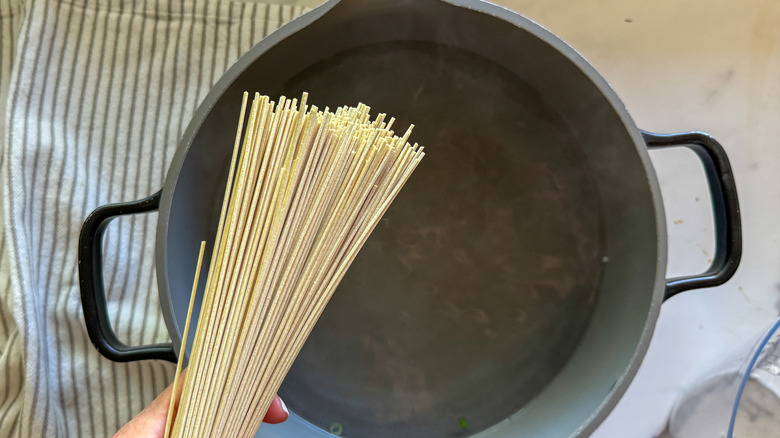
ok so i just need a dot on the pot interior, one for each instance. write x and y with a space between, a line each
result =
481 279
469 304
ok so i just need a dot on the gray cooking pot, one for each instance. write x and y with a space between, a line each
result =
512 288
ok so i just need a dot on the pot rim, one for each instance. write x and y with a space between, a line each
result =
478 6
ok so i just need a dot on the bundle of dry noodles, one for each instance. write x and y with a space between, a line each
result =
305 189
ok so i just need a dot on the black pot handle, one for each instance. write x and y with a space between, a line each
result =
725 207
93 294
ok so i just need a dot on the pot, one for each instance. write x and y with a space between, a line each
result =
512 288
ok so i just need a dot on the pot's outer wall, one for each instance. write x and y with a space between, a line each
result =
634 237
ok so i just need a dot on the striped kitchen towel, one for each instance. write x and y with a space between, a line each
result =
95 96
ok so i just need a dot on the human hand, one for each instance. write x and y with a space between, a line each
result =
150 423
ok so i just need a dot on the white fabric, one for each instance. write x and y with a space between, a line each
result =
95 96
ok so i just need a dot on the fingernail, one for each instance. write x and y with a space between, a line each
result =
284 407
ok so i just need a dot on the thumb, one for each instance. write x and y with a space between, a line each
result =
150 423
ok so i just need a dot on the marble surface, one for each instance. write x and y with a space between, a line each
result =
702 65
709 65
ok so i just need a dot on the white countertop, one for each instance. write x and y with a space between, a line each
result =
702 65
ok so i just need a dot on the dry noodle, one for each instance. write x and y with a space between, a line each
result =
305 189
